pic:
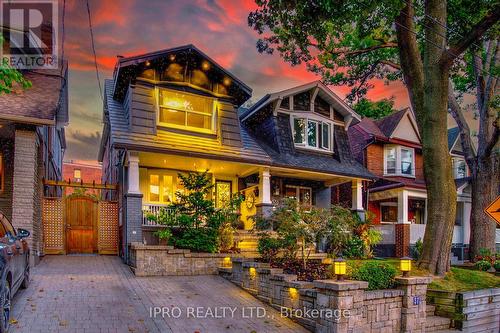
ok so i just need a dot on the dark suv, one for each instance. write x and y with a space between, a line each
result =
14 267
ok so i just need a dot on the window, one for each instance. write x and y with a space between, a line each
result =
316 134
154 188
389 212
460 214
2 173
407 161
302 194
77 174
222 193
399 161
459 168
187 111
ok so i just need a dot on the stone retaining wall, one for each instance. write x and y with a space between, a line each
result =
335 306
477 310
160 260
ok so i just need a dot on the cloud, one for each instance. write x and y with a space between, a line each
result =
83 145
130 27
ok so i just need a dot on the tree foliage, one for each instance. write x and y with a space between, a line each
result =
352 42
10 77
374 110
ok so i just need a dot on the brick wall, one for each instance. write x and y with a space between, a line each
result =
25 208
375 159
354 309
158 260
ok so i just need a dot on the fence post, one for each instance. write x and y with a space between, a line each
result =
413 313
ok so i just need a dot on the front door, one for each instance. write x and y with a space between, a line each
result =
81 226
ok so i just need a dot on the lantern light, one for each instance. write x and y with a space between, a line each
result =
294 293
148 63
405 266
226 81
339 266
172 57
226 262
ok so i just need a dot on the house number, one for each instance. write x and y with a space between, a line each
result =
416 300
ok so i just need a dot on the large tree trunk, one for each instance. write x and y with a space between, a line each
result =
485 182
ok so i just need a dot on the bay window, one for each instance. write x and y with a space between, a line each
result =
399 161
186 111
311 133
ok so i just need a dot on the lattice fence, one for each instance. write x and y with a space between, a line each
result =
108 227
53 225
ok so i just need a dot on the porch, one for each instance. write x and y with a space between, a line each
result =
153 181
401 217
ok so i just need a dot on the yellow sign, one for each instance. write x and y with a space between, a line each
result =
493 210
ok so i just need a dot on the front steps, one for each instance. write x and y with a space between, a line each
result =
435 323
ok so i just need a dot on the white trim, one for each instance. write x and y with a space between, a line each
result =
318 119
413 122
399 172
214 115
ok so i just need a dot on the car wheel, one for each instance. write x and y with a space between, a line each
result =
26 280
5 307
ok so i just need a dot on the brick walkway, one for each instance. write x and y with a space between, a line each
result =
100 294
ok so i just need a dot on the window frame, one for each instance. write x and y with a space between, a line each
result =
388 204
297 193
398 169
160 106
456 162
320 121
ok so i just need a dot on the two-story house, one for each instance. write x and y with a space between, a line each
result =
32 145
391 149
177 110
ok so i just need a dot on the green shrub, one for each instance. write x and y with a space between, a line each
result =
378 275
419 246
354 248
497 265
483 265
268 247
197 239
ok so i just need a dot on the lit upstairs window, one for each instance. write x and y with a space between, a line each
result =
187 111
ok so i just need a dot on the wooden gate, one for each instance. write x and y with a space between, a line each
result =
80 224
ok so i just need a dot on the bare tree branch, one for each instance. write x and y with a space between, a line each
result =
469 38
391 64
465 138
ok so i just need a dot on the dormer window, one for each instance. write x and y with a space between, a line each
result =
186 111
399 161
312 133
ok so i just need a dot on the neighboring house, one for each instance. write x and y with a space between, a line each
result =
80 172
32 144
176 110
391 149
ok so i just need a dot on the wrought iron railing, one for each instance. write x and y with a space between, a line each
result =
154 209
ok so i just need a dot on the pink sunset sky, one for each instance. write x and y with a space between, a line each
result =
129 27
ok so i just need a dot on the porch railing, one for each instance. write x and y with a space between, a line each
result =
154 209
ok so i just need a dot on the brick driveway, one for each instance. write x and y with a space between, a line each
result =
100 294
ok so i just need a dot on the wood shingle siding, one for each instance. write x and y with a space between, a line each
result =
142 109
230 125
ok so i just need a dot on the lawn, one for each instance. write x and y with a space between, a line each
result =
459 279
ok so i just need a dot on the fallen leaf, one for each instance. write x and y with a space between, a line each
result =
12 321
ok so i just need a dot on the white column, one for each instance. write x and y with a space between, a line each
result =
264 186
466 222
133 173
403 207
357 195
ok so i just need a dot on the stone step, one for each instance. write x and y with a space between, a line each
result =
430 310
436 323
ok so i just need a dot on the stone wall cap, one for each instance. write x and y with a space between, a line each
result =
283 277
269 270
225 270
413 280
299 284
340 285
141 246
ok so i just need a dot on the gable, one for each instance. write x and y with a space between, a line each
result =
406 130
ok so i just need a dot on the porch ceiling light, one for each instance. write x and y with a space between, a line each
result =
339 267
405 266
